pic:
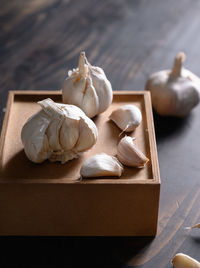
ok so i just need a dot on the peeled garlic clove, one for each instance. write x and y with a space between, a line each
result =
127 117
101 165
88 88
129 155
58 133
174 92
184 261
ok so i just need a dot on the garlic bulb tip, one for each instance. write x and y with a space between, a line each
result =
88 88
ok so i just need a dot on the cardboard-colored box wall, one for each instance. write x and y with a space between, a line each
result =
51 199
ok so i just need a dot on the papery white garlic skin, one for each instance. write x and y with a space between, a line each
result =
184 261
101 165
88 88
57 132
174 92
129 155
194 226
127 117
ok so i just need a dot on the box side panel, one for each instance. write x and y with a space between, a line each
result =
79 210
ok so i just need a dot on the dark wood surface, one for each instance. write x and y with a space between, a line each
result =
40 42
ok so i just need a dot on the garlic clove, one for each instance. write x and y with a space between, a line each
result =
34 138
181 260
82 94
55 124
69 134
129 155
101 165
127 117
174 92
87 135
88 88
103 88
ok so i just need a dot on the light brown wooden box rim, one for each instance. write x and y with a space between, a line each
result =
152 141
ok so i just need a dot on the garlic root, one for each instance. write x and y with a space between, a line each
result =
184 261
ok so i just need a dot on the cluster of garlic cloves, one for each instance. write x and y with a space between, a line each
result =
88 88
58 132
174 92
127 117
129 155
101 165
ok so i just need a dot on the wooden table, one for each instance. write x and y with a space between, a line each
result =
40 42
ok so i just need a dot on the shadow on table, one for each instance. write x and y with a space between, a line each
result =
71 251
166 126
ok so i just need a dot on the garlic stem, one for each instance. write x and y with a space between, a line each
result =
194 226
81 64
177 67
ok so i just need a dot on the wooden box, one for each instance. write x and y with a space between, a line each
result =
51 199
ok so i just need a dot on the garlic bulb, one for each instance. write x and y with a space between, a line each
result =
127 117
129 155
184 261
58 132
174 92
88 88
101 165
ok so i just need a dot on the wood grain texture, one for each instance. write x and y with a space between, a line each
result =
40 42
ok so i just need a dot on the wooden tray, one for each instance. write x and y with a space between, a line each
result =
50 198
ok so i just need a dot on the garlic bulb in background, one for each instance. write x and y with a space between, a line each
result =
101 165
127 117
88 88
174 92
58 132
129 155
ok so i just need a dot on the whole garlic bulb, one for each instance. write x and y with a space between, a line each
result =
127 117
129 155
174 92
88 88
101 165
58 132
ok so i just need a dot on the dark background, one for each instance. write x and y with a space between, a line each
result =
40 41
